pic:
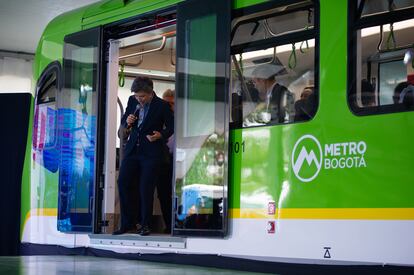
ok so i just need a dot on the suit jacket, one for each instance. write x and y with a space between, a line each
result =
159 118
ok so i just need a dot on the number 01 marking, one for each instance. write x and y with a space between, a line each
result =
237 147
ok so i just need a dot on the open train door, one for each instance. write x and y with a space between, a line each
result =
202 111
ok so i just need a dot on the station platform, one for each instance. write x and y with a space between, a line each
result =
51 265
53 259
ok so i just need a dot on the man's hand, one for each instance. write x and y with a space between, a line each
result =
131 119
155 136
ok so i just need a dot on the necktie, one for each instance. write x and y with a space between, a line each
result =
141 116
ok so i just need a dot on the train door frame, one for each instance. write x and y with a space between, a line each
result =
109 82
112 35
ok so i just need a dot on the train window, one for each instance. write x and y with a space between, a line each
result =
47 87
274 66
45 149
381 70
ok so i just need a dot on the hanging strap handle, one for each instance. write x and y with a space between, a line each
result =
391 42
301 48
121 76
381 33
292 57
241 62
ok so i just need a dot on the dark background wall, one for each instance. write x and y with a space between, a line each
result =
14 119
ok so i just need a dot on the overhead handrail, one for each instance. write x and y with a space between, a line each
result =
163 43
268 29
160 48
130 64
274 57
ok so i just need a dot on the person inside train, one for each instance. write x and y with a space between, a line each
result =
404 95
407 96
367 94
397 91
276 102
164 183
305 107
150 122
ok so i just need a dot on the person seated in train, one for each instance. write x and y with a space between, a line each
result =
151 123
305 107
407 96
397 91
367 94
252 94
276 102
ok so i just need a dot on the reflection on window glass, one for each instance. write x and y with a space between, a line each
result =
200 187
377 6
77 112
274 22
274 84
47 92
45 151
201 85
384 68
391 74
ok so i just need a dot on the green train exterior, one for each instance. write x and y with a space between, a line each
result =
351 201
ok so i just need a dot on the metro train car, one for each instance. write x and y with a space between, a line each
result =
318 172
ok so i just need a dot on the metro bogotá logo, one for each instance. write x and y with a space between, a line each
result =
309 157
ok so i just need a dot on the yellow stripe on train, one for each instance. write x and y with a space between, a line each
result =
326 213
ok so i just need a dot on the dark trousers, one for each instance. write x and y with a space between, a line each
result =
137 172
164 190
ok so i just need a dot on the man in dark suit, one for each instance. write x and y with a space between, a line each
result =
150 123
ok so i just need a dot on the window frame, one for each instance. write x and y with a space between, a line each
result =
54 67
355 24
285 39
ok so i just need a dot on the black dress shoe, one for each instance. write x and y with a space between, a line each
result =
144 231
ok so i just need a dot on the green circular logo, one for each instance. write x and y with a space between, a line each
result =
307 158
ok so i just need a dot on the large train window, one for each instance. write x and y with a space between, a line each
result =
381 56
274 65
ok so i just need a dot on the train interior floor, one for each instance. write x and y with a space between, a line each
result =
94 265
